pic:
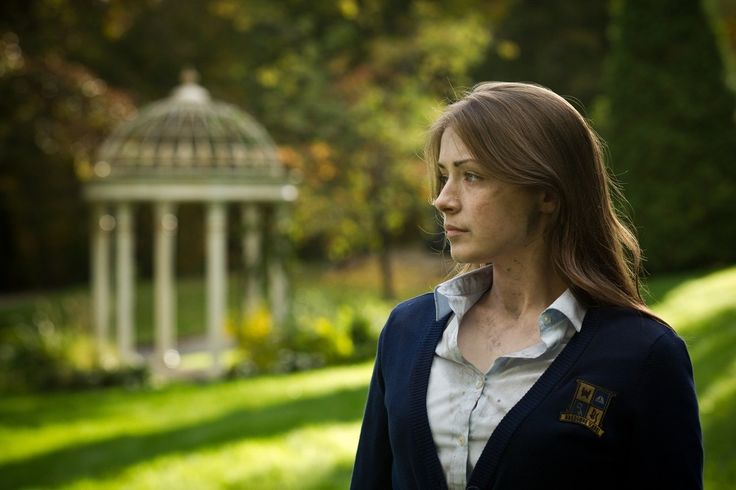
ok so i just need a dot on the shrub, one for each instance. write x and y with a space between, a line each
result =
307 341
256 339
671 132
46 356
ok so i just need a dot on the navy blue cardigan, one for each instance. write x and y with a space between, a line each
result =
615 410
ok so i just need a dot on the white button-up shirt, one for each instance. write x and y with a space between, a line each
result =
464 404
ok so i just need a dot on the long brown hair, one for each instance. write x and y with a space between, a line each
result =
529 136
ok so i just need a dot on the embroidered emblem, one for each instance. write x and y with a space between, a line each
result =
588 406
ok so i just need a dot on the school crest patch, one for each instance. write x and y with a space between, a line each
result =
588 406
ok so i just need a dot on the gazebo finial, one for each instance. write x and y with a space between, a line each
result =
189 76
190 90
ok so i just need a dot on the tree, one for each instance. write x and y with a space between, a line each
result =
560 44
345 88
671 132
54 113
356 126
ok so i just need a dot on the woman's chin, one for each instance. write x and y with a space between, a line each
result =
464 258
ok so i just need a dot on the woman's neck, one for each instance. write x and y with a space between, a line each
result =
524 286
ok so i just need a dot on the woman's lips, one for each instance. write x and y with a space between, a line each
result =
451 231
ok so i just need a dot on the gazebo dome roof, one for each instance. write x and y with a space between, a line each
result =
189 135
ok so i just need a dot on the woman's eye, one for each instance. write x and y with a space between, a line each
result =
471 177
442 179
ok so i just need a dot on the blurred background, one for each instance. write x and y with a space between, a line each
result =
346 90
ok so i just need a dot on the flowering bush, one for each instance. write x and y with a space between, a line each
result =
309 339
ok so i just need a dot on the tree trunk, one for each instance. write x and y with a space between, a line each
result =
387 271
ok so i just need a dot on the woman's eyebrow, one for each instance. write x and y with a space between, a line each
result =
456 163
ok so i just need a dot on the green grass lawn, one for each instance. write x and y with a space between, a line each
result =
296 431
702 308
299 431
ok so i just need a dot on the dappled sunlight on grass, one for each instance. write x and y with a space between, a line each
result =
75 435
694 300
308 457
703 311
719 429
719 392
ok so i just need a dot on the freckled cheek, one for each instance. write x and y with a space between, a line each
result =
498 219
486 219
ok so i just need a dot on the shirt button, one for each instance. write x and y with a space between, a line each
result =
479 383
461 440
545 319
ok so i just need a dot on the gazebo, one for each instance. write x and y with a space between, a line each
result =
185 148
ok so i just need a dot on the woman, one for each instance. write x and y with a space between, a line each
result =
539 366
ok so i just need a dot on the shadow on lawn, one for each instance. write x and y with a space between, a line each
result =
711 343
105 458
656 289
336 479
719 431
31 410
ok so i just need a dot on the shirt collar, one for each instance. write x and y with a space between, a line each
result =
464 289
569 306
459 294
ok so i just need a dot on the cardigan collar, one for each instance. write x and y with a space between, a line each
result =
431 474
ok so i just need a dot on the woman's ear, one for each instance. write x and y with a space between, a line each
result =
548 202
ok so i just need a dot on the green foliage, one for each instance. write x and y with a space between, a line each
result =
346 335
346 89
55 111
336 335
256 339
364 185
560 44
723 14
47 356
671 132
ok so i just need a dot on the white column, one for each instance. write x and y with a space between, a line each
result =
103 224
216 280
125 283
277 282
252 236
164 286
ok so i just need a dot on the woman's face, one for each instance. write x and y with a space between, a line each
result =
486 220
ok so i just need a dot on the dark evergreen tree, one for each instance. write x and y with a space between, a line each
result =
560 44
671 132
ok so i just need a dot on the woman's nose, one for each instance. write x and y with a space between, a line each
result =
446 201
